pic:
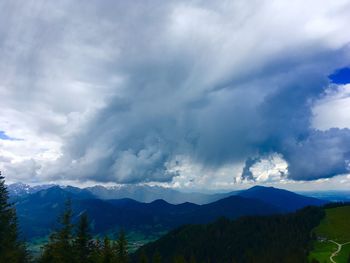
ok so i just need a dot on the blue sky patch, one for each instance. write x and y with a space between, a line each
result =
341 76
4 136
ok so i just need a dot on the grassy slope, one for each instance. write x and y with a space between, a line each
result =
335 226
322 251
343 255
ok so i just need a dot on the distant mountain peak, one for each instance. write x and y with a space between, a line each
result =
160 202
260 187
19 188
281 198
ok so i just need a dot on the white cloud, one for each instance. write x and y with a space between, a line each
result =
333 109
272 168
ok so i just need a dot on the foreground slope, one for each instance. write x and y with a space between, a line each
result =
333 236
268 239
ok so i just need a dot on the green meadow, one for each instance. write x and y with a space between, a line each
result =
335 226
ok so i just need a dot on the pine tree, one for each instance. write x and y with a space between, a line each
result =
179 259
11 249
96 255
143 258
82 242
192 259
156 257
60 247
107 255
122 248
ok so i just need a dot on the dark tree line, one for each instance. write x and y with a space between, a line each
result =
263 239
11 248
75 244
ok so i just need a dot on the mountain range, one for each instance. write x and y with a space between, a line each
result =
147 194
141 193
38 211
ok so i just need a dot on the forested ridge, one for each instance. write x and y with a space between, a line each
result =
280 238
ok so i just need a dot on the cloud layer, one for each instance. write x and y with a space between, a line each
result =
132 92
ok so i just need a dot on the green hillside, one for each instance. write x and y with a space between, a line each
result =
336 227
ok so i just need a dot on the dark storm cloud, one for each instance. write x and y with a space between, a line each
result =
246 119
129 87
247 173
310 154
321 154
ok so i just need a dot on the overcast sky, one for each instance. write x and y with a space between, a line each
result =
187 94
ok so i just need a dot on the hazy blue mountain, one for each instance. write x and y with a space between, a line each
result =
230 207
145 193
333 196
19 189
285 200
38 212
141 193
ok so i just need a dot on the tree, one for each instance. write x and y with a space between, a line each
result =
64 246
11 248
179 259
157 257
143 257
193 259
96 255
60 247
107 254
122 248
82 243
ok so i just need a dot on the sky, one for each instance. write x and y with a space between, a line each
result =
194 95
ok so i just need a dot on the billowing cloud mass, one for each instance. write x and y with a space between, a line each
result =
141 91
